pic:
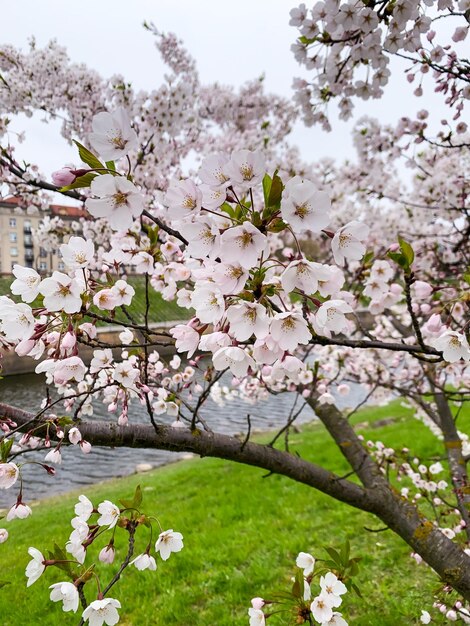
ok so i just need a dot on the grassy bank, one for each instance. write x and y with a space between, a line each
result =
242 532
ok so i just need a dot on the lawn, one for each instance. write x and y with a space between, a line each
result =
242 532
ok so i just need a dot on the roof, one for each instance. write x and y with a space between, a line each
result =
61 210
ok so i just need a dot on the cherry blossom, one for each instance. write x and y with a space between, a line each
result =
61 293
243 244
236 359
256 617
331 315
16 320
454 346
306 562
26 284
66 593
183 199
144 561
118 201
305 208
289 330
112 136
101 612
35 567
347 244
109 514
84 508
9 473
245 167
168 542
19 511
301 274
321 609
77 253
247 319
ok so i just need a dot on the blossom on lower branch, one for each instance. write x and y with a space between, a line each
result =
102 612
303 609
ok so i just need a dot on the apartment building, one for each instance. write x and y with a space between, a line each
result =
17 243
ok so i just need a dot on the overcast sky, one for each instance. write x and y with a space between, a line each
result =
231 41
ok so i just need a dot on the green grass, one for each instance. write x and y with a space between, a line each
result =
242 532
160 310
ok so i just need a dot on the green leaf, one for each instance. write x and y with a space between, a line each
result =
345 551
111 165
407 251
5 448
267 182
88 157
276 226
298 586
306 40
136 500
275 192
81 181
137 497
400 259
335 555
355 588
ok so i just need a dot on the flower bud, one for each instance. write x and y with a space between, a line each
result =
107 554
74 436
65 176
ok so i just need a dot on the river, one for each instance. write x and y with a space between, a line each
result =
27 391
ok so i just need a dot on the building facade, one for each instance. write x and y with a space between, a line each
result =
17 241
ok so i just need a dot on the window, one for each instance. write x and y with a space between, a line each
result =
61 266
42 252
28 240
13 251
13 237
27 226
42 266
12 222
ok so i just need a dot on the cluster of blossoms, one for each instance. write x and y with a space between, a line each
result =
223 255
424 483
300 605
348 46
103 610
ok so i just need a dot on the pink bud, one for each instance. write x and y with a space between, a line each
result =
423 290
257 603
64 177
394 247
24 347
69 340
460 33
74 436
85 446
107 555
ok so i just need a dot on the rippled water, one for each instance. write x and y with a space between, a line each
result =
27 391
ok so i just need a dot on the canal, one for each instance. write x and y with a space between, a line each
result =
77 469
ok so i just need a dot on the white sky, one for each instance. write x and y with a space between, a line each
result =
231 41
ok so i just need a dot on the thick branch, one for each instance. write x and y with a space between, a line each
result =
203 443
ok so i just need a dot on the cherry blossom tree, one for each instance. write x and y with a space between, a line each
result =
297 277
